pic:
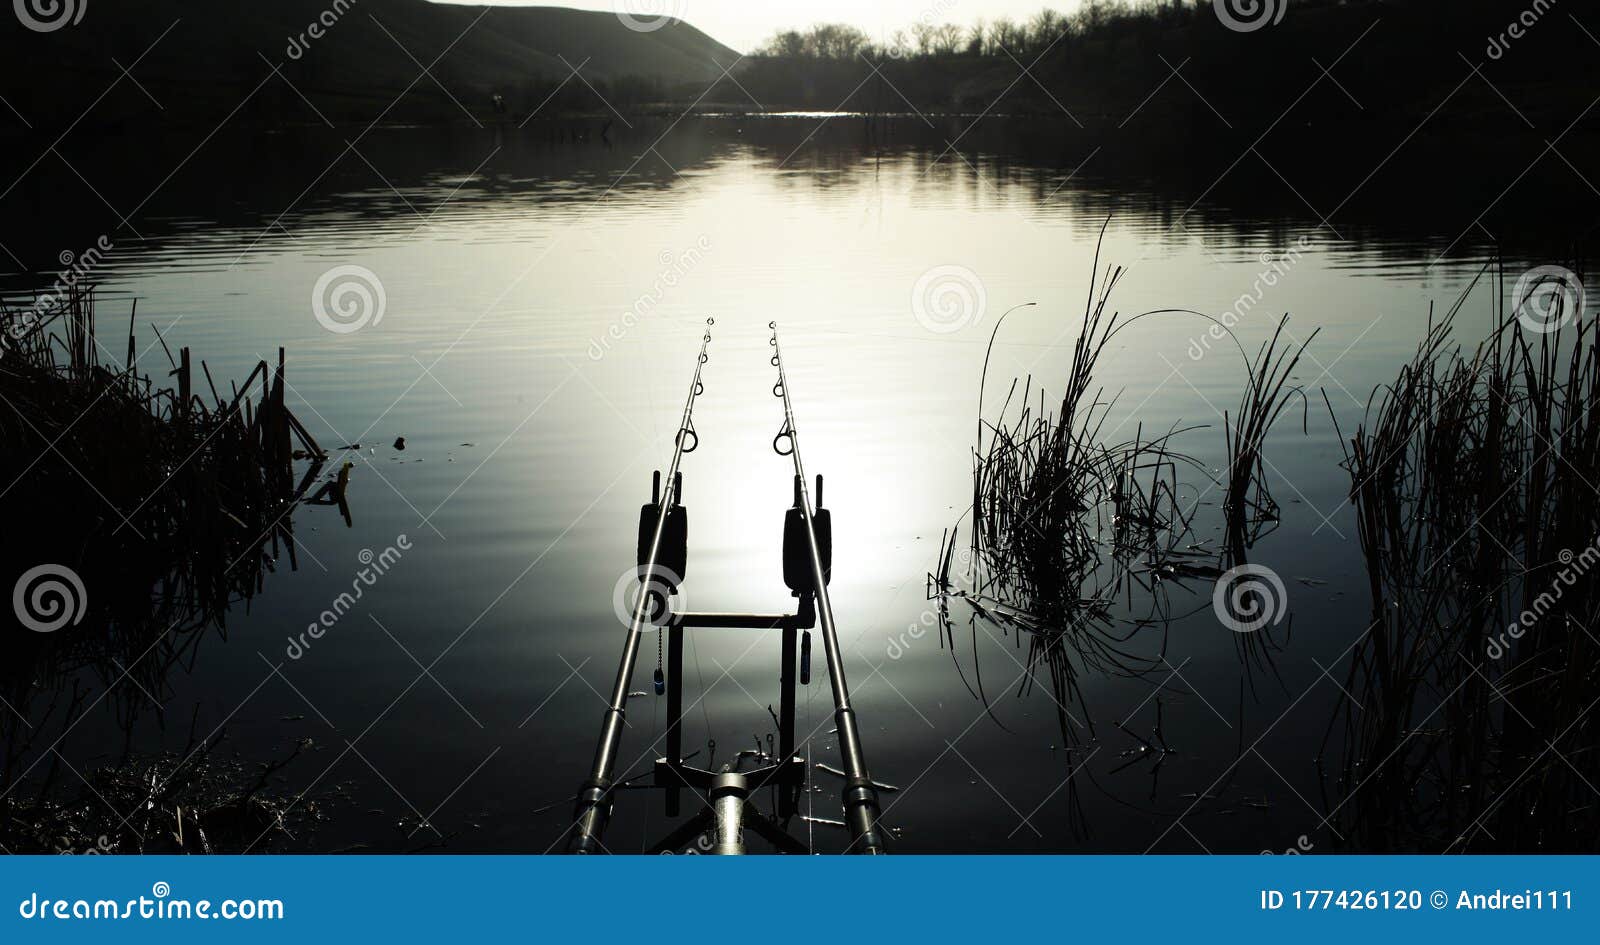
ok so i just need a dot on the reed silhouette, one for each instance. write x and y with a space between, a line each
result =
168 508
1465 724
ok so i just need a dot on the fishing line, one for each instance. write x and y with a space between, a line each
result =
811 796
705 697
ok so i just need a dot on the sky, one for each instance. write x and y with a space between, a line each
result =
745 24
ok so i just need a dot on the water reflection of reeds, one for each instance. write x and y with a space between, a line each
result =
1463 719
1465 723
166 507
1078 537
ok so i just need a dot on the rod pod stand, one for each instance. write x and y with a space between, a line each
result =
729 810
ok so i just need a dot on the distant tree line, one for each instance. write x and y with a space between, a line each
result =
1112 62
998 37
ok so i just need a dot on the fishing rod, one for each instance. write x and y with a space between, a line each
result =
860 791
729 792
657 583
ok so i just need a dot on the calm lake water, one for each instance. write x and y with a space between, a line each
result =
543 301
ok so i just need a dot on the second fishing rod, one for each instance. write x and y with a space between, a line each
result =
861 807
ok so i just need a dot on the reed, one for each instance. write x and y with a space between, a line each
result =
171 506
1465 722
1248 504
1077 535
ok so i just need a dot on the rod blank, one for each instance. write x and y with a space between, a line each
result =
860 795
593 810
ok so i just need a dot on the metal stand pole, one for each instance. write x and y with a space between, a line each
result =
786 798
728 794
674 709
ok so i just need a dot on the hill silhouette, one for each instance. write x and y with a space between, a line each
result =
198 63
